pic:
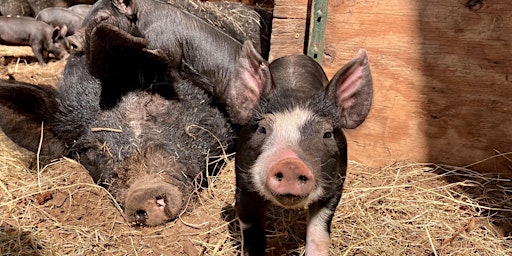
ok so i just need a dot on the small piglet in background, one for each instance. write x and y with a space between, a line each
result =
61 17
41 37
292 151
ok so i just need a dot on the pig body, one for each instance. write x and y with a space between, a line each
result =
42 37
154 23
81 9
32 7
61 17
148 148
292 152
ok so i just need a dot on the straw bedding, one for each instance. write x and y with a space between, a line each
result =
402 209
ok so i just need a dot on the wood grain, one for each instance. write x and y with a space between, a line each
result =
288 28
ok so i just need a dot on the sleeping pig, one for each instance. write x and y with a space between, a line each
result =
291 151
147 144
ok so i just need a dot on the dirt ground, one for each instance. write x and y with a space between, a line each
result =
403 209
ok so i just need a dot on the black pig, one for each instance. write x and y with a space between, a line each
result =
61 17
81 9
147 149
42 37
292 152
32 7
195 44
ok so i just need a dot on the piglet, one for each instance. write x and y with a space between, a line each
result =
292 151
61 17
42 37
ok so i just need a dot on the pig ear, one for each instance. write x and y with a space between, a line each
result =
56 33
63 31
251 82
125 7
351 89
106 39
24 108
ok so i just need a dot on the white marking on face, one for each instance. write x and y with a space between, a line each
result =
285 135
317 237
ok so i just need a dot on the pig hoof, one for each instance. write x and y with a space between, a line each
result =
153 204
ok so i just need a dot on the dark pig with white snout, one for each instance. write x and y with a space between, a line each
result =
42 37
292 151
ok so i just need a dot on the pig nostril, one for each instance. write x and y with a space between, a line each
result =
303 178
140 216
279 176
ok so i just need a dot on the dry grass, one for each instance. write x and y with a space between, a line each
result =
403 209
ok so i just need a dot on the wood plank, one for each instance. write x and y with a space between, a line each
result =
288 28
442 76
289 40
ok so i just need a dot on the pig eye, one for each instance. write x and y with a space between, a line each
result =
327 135
261 130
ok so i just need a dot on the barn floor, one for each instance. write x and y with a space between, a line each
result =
402 209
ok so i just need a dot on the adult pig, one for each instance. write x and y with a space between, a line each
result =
292 151
183 45
42 37
61 17
148 148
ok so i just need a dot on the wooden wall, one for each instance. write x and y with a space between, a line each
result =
442 74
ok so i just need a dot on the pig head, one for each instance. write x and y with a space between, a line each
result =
148 145
292 151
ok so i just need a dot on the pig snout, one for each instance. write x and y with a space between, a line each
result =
290 180
152 203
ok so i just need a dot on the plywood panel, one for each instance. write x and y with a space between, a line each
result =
288 28
442 75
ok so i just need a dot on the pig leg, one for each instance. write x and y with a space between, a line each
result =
251 215
38 53
319 226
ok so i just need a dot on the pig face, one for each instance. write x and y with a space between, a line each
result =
298 158
57 44
292 151
147 144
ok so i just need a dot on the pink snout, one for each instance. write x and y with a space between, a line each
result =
290 177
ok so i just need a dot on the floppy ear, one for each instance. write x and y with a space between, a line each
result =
24 109
56 33
251 82
122 63
351 89
63 31
126 7
106 43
